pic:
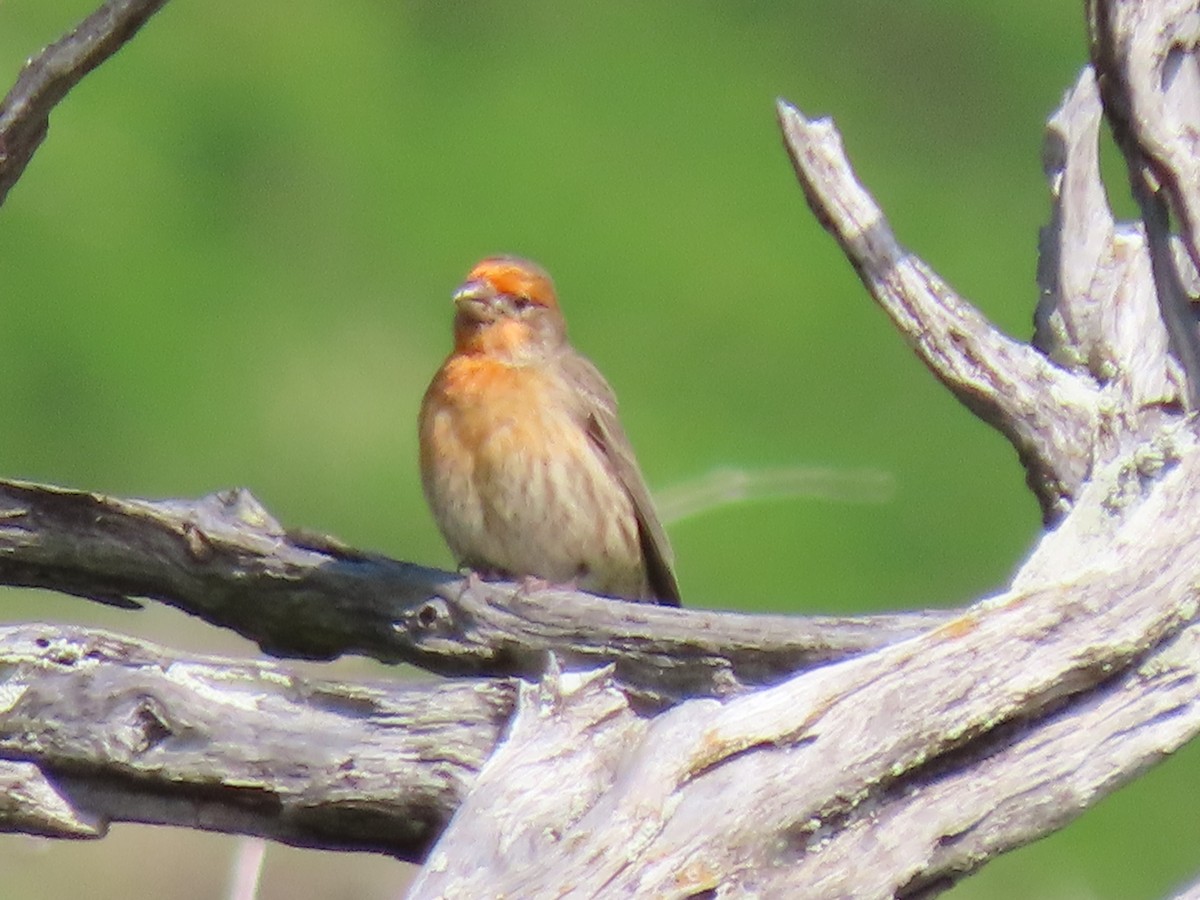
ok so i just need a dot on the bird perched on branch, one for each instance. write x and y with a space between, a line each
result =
524 463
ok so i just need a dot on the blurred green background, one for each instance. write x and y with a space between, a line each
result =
230 264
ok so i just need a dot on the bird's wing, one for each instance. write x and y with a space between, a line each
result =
604 428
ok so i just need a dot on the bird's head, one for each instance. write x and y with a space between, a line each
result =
507 307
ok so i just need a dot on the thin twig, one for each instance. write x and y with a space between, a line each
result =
49 76
724 487
246 869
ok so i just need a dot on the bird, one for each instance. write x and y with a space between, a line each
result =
524 463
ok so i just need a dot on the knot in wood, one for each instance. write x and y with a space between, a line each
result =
430 617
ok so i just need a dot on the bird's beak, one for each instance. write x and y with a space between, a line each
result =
472 292
473 301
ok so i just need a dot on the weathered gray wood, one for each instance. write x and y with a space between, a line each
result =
1146 57
1191 892
1048 414
225 558
1098 313
883 776
30 804
98 728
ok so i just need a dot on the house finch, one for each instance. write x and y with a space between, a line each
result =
524 464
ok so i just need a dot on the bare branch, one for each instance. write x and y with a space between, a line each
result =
1191 892
1146 57
47 77
725 486
920 760
225 558
1099 312
885 775
97 728
1049 415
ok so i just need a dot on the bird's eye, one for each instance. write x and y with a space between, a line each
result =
519 302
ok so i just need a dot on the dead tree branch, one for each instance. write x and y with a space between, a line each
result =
49 76
1146 56
96 728
227 560
892 775
1046 413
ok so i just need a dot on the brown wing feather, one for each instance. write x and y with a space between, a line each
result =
600 408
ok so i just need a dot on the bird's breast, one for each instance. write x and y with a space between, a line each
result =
515 481
493 407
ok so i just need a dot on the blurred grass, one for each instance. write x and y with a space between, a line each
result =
230 264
